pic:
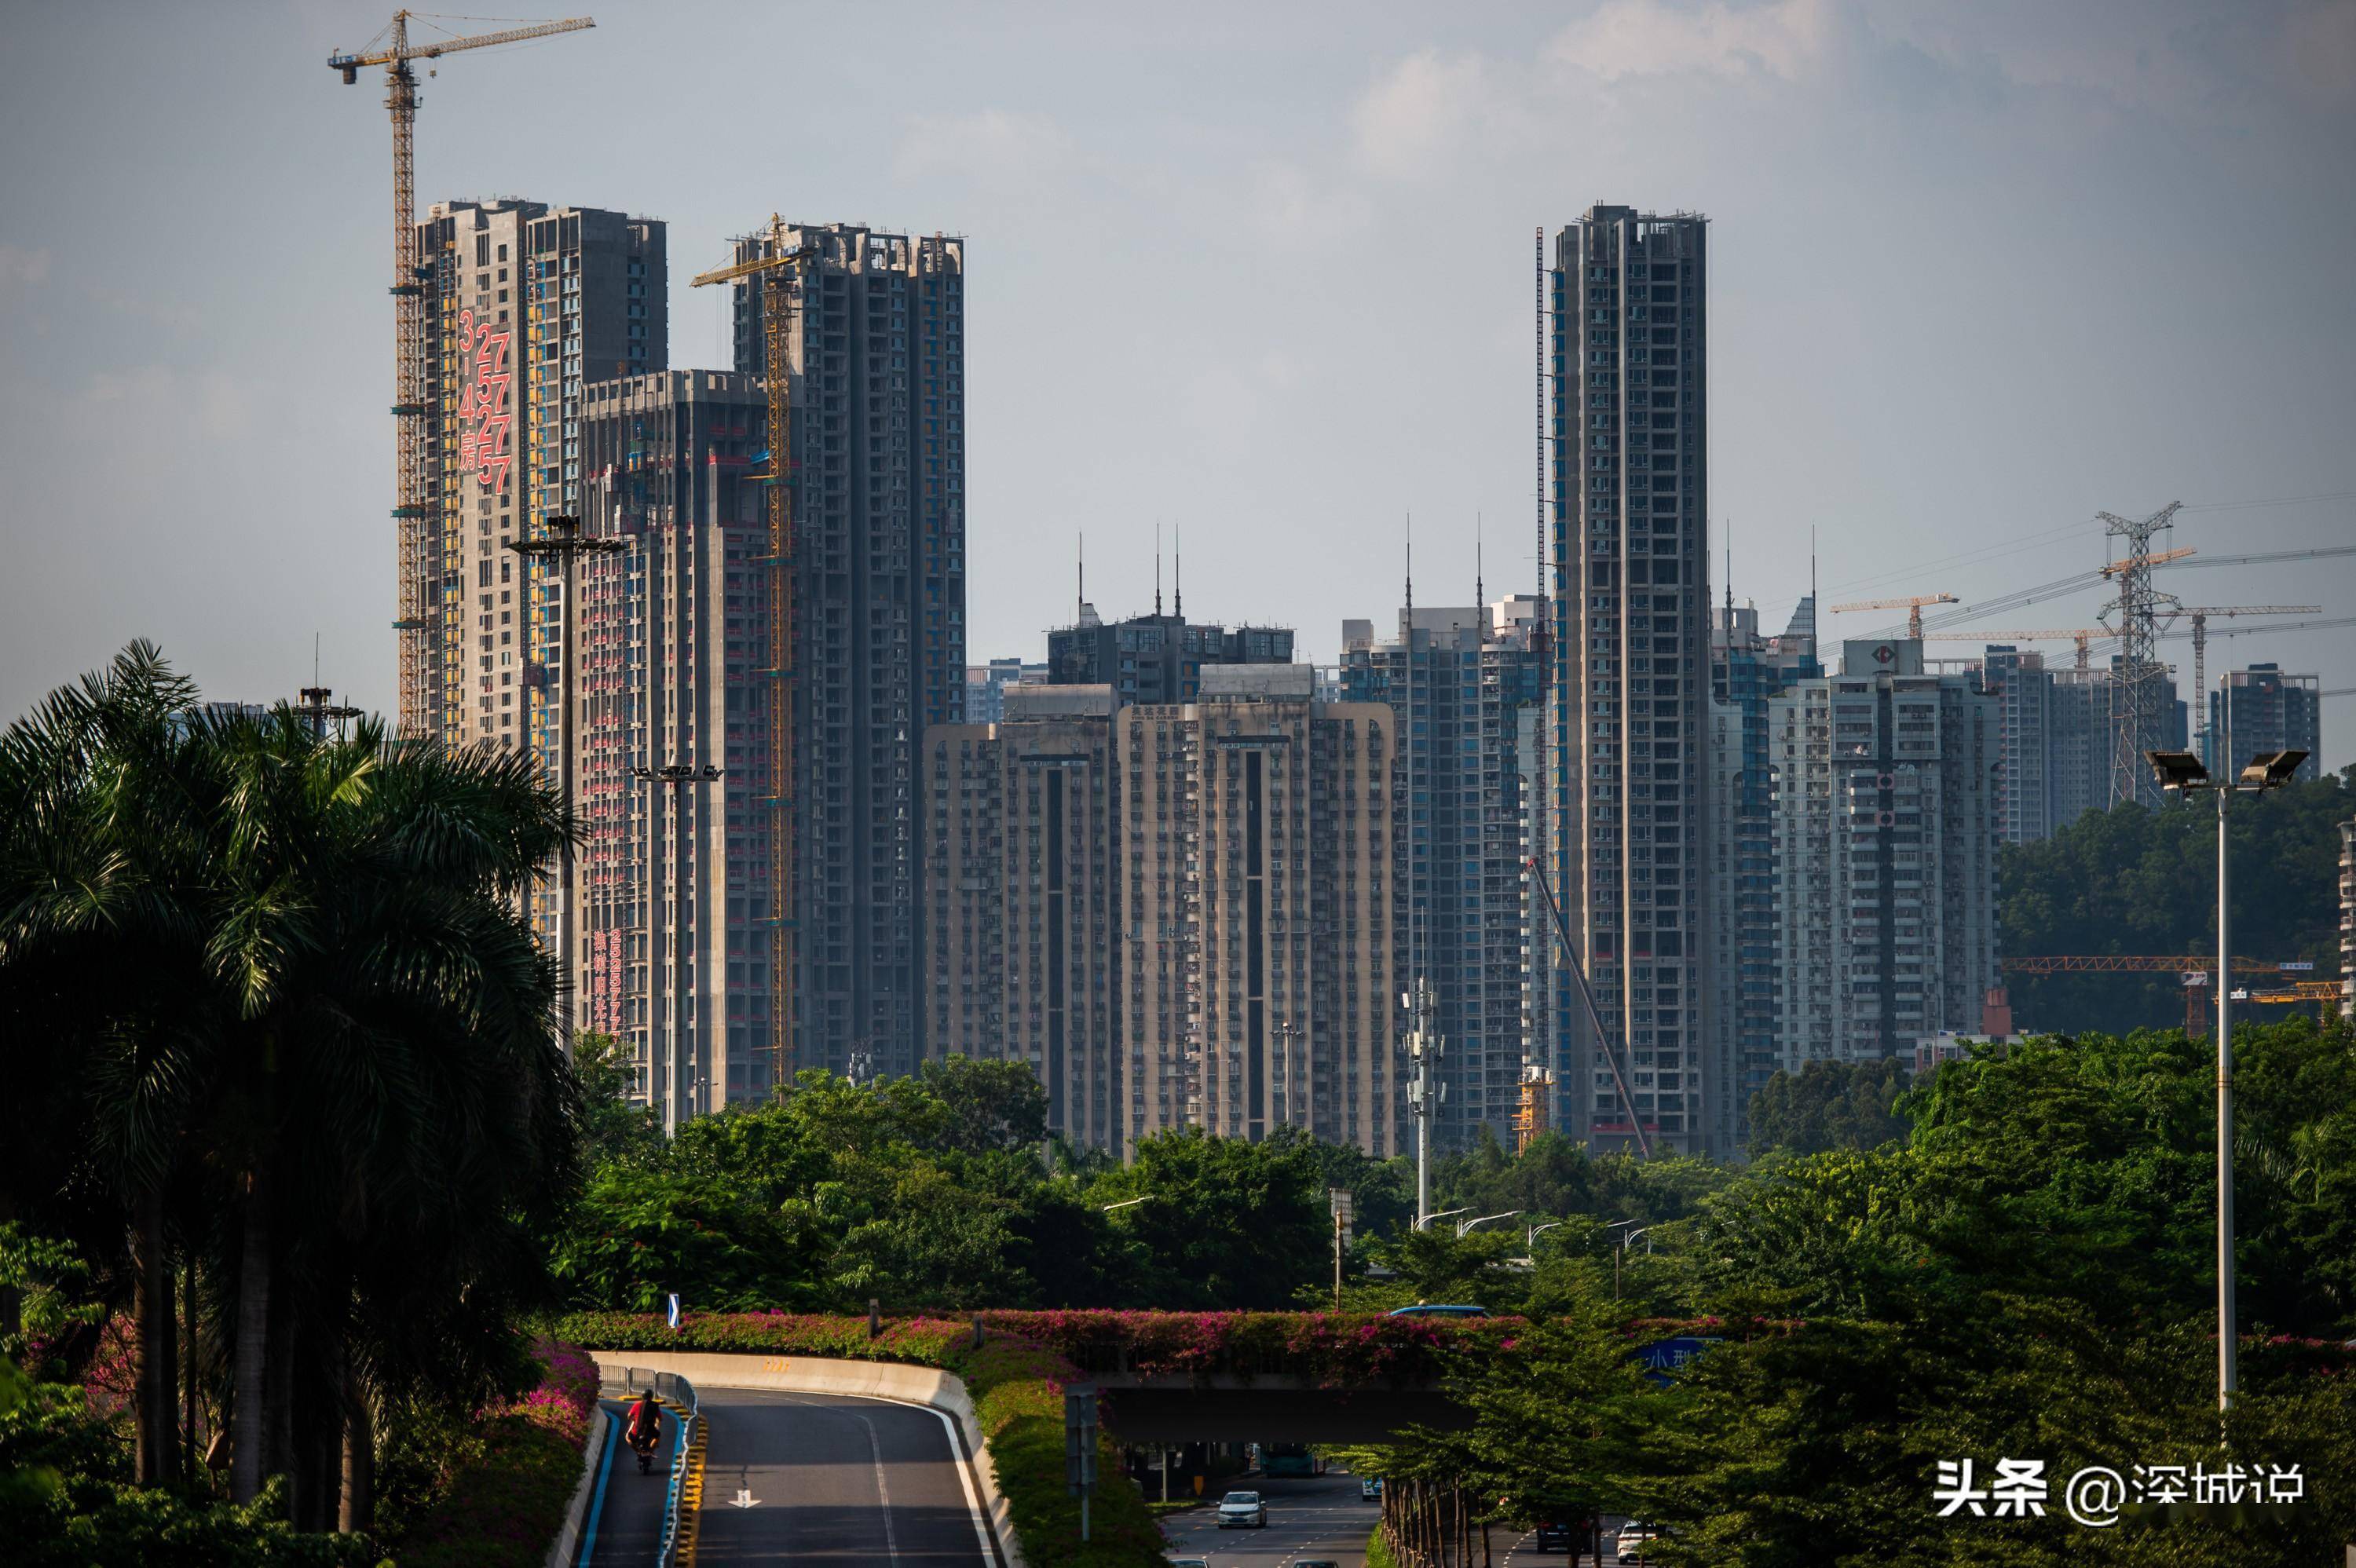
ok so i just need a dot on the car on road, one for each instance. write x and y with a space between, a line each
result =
1438 1309
1190 1562
1243 1511
1370 1487
1629 1544
1555 1536
1314 1562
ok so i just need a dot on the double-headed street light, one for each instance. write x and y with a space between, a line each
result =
1464 1227
2184 772
1443 1214
564 543
679 1077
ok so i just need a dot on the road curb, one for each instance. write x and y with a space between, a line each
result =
593 1448
893 1382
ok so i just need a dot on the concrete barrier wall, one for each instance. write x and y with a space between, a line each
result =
868 1380
568 1540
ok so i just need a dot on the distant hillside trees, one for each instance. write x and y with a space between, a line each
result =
2132 881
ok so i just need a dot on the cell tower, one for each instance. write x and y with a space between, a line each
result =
2139 682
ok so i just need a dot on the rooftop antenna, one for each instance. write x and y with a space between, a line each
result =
1157 568
1177 574
1410 567
1480 588
1080 612
1729 572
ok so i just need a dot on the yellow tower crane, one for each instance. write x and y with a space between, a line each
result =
392 49
775 266
1912 604
2081 635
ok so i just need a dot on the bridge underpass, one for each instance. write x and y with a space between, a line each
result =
1149 1413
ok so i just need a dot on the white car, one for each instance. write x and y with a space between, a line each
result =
1242 1510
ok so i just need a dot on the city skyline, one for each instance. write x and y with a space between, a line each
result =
248 516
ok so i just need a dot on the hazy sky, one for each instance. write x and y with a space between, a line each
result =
1262 271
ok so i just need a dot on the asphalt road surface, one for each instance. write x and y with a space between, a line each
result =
1314 1516
625 1528
827 1478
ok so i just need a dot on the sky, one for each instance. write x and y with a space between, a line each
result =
1260 274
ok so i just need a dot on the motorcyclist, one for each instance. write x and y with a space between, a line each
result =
643 1428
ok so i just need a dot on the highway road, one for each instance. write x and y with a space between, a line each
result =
831 1479
1315 1516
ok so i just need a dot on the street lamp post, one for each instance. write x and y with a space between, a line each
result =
1287 1034
1443 1214
564 543
679 1070
2183 772
1464 1227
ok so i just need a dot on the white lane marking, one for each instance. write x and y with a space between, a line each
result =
883 1489
958 1461
745 1498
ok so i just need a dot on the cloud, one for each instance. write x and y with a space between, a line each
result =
22 268
1418 109
1300 210
1638 37
993 147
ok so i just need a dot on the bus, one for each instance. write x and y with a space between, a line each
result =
1290 1459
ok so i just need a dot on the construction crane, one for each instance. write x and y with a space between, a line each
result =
2195 970
2258 559
1913 606
776 268
2165 558
1531 1116
2082 636
393 50
2198 614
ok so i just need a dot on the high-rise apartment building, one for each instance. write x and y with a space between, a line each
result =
1626 372
670 643
1746 670
2261 709
1456 682
2025 698
525 304
1255 855
1022 938
2348 919
1180 914
1156 657
877 349
1885 840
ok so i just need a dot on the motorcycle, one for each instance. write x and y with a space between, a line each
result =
643 1444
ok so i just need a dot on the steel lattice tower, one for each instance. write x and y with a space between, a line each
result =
2140 683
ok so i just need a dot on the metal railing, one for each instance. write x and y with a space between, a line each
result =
679 1394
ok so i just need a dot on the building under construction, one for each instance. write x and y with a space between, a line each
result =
672 877
525 304
877 465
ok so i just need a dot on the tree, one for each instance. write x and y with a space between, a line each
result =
1829 1105
1225 1223
288 978
990 1106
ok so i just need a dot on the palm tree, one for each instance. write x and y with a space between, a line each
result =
286 972
98 960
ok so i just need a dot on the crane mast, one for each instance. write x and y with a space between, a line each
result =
775 272
419 609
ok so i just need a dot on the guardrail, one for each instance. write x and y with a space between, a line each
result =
679 1394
